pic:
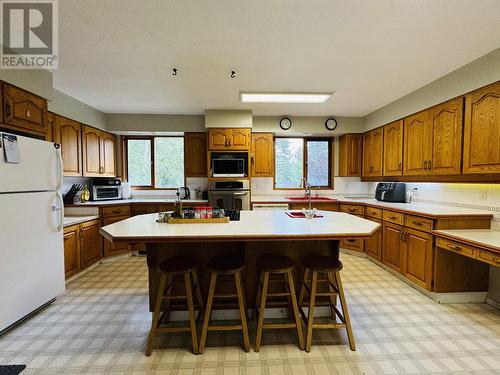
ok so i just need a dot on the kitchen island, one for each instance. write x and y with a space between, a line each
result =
256 233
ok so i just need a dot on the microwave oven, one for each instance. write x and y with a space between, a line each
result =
105 188
228 167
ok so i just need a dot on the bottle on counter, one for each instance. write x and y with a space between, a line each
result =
85 195
178 212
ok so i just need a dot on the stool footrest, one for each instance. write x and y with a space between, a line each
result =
328 325
225 328
278 325
173 329
229 295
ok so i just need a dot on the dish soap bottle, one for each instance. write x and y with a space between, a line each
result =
85 195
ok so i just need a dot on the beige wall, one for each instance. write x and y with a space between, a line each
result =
138 123
314 125
37 81
478 73
215 118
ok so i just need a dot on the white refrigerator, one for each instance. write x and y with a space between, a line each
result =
31 228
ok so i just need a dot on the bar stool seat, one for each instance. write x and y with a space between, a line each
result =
331 266
225 266
276 264
183 267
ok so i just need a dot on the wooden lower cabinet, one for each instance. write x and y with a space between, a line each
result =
82 246
393 246
325 206
418 257
354 244
114 248
373 245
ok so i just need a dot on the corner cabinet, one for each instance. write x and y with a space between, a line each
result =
195 154
68 133
234 139
350 150
393 149
373 143
262 156
99 149
482 130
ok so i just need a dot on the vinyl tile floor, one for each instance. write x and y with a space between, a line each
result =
100 325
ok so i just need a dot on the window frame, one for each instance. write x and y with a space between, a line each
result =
306 162
151 140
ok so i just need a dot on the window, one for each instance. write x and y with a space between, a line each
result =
296 158
155 162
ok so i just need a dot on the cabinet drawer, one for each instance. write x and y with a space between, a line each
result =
116 210
393 217
456 247
113 219
140 209
352 209
418 223
489 257
373 212
355 244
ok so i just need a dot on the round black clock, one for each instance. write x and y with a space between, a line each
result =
285 123
331 123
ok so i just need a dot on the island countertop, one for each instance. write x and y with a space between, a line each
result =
253 225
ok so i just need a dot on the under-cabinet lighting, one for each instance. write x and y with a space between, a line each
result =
284 97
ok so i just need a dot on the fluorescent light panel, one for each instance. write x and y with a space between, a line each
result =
284 97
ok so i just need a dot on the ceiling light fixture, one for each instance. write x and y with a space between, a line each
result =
284 97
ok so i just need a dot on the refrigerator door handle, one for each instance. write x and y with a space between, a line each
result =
60 175
60 208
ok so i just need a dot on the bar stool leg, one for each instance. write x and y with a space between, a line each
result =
156 314
208 311
345 312
295 310
199 298
243 317
310 315
302 286
166 314
262 307
257 296
192 320
333 298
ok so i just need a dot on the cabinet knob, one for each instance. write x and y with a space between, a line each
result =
454 247
400 166
28 114
430 164
425 165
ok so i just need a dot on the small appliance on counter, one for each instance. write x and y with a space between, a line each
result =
105 189
183 192
126 191
391 192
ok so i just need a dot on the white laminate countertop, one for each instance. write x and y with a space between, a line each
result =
487 238
139 200
419 208
253 225
72 220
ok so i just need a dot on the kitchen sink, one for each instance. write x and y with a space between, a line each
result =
300 214
313 199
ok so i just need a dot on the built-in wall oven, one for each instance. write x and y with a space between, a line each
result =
229 194
105 188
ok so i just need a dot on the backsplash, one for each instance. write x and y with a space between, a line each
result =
192 183
342 185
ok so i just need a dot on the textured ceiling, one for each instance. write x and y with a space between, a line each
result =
117 55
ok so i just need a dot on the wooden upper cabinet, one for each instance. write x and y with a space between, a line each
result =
90 243
482 130
447 124
68 134
195 154
350 150
373 143
99 153
262 155
24 110
393 149
417 143
229 139
108 152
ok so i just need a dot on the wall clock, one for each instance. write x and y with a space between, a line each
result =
331 123
285 123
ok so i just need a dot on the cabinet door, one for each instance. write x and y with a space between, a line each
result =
68 134
90 243
418 257
447 119
377 149
482 130
355 244
367 152
218 139
417 140
91 146
108 152
72 263
262 155
393 149
392 253
24 110
350 147
239 139
195 154
115 248
373 245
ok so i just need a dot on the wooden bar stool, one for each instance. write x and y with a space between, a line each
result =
331 266
176 267
276 264
223 266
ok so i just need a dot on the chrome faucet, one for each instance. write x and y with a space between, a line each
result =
307 188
